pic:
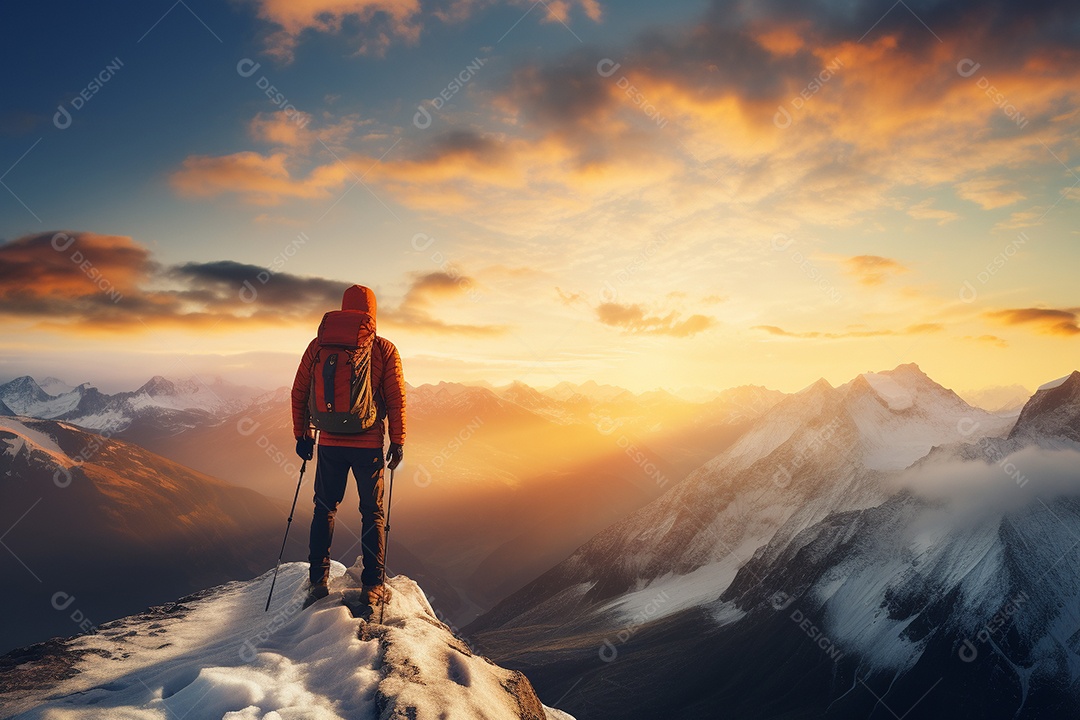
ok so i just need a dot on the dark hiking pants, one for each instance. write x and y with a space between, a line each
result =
331 478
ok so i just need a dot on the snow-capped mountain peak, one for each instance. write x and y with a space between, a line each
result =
902 414
175 403
158 386
24 388
24 396
1053 410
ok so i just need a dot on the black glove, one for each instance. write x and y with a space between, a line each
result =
393 457
305 448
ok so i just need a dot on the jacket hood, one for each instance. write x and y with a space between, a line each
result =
359 298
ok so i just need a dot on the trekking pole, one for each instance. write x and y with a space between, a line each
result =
303 467
386 541
389 505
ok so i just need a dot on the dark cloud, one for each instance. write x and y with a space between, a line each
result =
720 58
634 319
1047 320
465 143
93 282
567 94
231 284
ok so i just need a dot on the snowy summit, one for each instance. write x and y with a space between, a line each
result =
217 654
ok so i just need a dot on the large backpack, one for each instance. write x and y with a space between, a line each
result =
342 399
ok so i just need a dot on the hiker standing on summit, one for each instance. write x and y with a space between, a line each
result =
350 402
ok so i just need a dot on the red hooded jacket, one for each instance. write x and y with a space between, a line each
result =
386 378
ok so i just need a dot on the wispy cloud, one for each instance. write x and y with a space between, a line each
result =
634 319
989 193
873 269
259 179
423 307
1047 320
993 340
919 329
925 210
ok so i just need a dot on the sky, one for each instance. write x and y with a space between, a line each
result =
679 194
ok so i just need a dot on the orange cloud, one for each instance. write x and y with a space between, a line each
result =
686 122
782 41
559 10
383 22
873 269
46 272
988 340
259 179
633 319
1047 320
283 129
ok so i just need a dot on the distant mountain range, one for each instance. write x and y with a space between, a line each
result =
160 405
869 550
482 497
103 528
876 549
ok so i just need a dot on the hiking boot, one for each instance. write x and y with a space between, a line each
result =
375 594
315 593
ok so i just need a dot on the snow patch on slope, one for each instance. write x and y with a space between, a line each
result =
33 440
48 408
671 593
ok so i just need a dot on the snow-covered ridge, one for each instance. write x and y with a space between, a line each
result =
218 654
1054 383
27 440
176 402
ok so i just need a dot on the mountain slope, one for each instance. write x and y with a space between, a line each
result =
819 451
217 653
956 595
114 526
